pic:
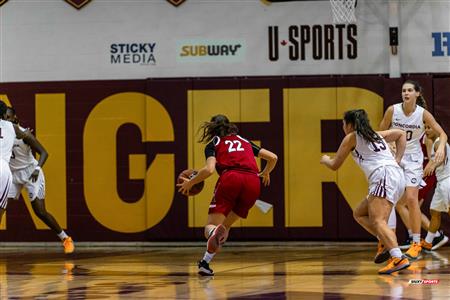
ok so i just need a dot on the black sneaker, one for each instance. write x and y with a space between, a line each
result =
439 241
406 244
382 254
204 269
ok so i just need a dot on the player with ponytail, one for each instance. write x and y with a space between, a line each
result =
238 186
411 116
386 183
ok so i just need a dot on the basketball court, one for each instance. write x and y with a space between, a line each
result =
243 271
116 90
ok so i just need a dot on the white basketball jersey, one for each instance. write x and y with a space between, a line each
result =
443 170
412 125
22 156
7 137
372 155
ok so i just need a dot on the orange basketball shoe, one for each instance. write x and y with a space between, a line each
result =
382 254
68 245
426 246
414 251
395 264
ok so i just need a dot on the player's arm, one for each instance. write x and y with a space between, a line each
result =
347 144
428 119
36 146
432 163
399 137
387 119
271 160
206 171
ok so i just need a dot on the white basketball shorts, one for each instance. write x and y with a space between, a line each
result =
387 182
5 183
21 179
441 197
412 165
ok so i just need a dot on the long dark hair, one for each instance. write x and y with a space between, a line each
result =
218 126
360 121
418 88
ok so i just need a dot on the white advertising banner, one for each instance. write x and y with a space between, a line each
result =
121 39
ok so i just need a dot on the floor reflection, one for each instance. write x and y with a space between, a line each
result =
286 271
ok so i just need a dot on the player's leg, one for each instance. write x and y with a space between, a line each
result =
424 221
5 186
439 204
379 211
382 251
213 230
36 192
413 173
403 212
435 223
361 215
225 193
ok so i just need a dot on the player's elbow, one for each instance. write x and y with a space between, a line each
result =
273 157
334 167
209 170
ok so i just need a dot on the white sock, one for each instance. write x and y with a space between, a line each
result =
437 234
429 238
416 237
395 252
410 233
62 235
208 256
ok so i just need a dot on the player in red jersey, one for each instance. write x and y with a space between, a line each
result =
238 185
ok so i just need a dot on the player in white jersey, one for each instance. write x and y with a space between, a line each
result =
386 182
8 133
441 198
27 173
410 116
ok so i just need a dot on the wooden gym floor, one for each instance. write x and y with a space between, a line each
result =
243 271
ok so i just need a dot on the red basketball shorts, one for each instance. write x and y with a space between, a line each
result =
431 182
235 191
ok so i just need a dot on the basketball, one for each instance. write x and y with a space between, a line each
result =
188 174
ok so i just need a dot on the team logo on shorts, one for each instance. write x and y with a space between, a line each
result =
413 180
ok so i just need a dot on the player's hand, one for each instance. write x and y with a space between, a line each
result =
429 169
185 186
34 176
439 155
265 178
325 158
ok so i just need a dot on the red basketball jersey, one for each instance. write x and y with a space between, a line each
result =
233 152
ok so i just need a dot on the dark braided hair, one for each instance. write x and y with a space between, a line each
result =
3 107
360 121
218 126
420 99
